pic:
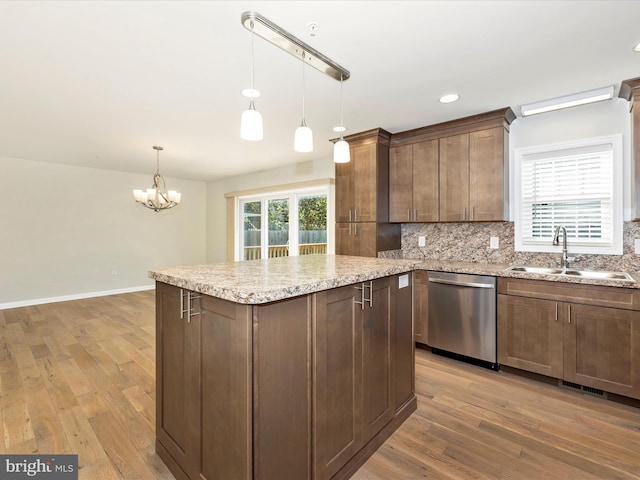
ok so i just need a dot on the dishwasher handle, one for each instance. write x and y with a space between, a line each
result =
462 284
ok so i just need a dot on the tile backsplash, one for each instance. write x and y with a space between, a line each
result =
469 242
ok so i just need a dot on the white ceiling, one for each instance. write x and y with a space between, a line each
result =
97 83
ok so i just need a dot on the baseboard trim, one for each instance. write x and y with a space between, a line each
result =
79 296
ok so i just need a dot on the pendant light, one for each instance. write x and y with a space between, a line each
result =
303 140
251 120
341 152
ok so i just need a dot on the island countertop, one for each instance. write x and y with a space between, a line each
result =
269 280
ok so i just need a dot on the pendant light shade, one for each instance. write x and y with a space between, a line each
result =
251 120
341 152
251 124
303 140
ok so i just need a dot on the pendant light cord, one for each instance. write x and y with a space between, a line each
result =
341 122
252 59
303 83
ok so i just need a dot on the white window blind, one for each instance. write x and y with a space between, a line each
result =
574 187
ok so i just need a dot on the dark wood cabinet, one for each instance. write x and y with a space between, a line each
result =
353 389
584 334
530 335
453 171
413 182
364 369
303 387
472 176
362 198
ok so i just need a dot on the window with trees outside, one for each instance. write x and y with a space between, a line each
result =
282 224
576 185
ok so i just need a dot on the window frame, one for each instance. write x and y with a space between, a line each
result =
556 150
292 195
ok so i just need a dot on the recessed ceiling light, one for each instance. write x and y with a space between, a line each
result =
250 93
637 48
449 98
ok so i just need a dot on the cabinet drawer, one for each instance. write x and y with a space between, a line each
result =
604 296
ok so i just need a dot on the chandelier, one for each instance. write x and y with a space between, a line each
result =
157 197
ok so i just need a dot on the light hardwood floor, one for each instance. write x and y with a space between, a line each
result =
78 377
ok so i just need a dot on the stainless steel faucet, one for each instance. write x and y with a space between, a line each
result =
565 258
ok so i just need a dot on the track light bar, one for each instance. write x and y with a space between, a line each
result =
279 37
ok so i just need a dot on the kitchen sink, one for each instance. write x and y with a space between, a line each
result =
600 275
591 274
538 270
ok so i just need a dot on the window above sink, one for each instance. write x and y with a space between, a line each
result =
574 184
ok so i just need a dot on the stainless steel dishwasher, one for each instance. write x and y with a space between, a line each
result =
462 315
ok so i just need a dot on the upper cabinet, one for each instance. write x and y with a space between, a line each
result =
630 90
451 172
362 197
413 182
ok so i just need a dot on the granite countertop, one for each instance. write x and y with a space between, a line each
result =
269 280
499 270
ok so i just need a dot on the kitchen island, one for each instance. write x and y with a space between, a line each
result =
285 368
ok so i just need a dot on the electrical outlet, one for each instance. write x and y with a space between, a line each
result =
422 241
494 242
637 246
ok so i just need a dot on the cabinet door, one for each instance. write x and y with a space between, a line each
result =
364 239
421 307
486 175
403 343
365 183
345 184
401 184
176 376
344 239
602 348
530 334
425 173
377 356
337 380
454 178
224 412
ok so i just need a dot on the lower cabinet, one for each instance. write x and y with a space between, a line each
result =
584 334
299 388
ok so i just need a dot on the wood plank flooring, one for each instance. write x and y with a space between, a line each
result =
79 377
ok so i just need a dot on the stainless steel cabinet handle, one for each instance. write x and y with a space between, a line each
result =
408 214
473 213
569 313
188 308
355 215
415 214
355 229
556 311
464 213
349 214
363 295
350 229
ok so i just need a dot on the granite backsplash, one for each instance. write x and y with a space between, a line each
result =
469 242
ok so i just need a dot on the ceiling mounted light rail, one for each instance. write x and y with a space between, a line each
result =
279 37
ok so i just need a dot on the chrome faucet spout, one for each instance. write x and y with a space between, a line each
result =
564 263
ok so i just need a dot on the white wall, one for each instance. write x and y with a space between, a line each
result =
217 205
68 231
587 121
